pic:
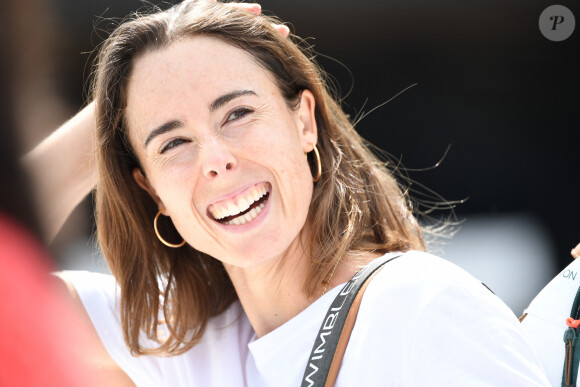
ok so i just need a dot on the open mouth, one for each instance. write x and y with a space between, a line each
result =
243 208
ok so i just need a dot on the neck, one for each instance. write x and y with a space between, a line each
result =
272 293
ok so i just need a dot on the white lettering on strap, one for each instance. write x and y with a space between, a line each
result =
312 373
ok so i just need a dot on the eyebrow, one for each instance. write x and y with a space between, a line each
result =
216 104
221 101
166 127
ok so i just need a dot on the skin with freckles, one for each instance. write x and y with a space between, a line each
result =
209 126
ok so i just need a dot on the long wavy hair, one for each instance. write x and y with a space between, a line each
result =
356 206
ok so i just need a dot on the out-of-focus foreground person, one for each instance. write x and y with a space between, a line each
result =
43 341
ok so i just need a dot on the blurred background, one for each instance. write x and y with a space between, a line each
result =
494 99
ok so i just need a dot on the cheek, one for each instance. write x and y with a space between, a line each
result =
193 227
175 186
180 190
295 182
283 155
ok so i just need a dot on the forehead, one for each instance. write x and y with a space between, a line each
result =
187 74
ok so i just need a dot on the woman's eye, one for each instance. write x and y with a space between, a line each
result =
173 143
238 113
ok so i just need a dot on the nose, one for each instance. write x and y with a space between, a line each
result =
217 159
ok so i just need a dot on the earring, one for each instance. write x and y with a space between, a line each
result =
159 235
318 164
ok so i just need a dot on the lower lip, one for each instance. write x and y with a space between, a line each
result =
255 222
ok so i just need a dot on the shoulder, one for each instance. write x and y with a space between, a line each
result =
223 340
77 285
86 283
433 314
419 271
418 283
97 295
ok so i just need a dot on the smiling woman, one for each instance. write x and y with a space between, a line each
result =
207 115
212 109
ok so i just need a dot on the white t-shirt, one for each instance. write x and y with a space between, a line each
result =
545 323
422 322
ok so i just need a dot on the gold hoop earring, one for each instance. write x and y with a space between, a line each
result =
175 246
318 164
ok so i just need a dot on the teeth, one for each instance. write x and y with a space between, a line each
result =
243 204
247 217
231 208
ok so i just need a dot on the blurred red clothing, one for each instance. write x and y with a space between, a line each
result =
37 346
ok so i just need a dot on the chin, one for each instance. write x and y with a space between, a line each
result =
254 256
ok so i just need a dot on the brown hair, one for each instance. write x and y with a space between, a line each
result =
357 205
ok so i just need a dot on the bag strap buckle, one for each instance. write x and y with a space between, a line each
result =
572 323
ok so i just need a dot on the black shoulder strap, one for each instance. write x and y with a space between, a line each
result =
327 339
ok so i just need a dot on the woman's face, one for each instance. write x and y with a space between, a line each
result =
222 152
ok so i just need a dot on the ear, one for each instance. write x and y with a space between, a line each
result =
307 121
143 182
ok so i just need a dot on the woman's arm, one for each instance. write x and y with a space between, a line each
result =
63 170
